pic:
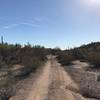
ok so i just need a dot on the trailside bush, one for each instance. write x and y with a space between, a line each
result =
65 58
31 62
94 58
29 56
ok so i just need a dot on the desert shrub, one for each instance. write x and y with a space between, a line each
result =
31 62
27 55
65 58
94 58
55 51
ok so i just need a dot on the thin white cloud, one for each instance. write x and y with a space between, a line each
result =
31 22
10 26
38 19
42 19
20 24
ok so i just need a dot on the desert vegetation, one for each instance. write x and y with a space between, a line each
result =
89 53
18 61
30 56
65 58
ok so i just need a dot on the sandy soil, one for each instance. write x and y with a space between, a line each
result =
40 88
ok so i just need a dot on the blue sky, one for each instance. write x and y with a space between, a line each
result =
51 23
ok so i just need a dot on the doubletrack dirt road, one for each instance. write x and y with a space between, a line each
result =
53 83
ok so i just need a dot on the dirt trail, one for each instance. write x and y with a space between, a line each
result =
40 88
35 88
53 83
62 86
